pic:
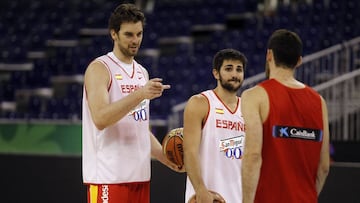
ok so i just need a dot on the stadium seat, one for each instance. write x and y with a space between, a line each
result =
24 39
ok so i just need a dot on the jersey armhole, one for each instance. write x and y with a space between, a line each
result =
208 111
109 71
268 100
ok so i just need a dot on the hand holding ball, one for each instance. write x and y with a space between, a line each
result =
172 145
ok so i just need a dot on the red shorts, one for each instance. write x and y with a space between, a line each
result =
119 193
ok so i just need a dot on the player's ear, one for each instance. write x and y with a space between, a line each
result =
269 55
215 73
299 62
113 34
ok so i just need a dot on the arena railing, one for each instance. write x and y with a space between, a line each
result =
333 72
343 101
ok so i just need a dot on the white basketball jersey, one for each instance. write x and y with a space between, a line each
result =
221 148
119 153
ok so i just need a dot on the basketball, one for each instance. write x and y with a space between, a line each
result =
193 198
172 145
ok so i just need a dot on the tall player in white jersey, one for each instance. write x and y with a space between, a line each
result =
214 134
117 142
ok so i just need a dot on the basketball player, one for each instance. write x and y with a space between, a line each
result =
287 135
214 133
117 142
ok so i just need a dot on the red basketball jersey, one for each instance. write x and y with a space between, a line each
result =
292 140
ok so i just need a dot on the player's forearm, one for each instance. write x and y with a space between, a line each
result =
112 113
156 149
320 181
250 173
193 171
322 174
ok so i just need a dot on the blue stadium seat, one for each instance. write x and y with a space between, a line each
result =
35 105
320 26
8 91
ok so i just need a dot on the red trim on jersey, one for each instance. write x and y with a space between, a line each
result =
107 67
237 104
208 112
143 71
133 71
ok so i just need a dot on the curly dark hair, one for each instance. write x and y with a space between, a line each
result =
228 54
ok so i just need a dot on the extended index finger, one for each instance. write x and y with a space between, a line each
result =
156 79
165 87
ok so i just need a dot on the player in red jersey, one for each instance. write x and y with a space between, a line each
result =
287 134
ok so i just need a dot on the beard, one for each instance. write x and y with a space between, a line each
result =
230 87
127 52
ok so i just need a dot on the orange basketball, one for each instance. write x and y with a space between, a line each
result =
172 145
193 198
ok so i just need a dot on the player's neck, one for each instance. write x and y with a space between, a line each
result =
125 59
229 98
285 77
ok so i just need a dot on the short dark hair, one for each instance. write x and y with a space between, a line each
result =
125 13
286 46
228 54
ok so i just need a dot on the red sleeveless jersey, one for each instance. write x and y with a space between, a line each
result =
292 140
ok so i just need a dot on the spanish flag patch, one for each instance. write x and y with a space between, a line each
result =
118 76
219 111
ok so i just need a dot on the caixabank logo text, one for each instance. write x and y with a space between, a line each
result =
292 132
